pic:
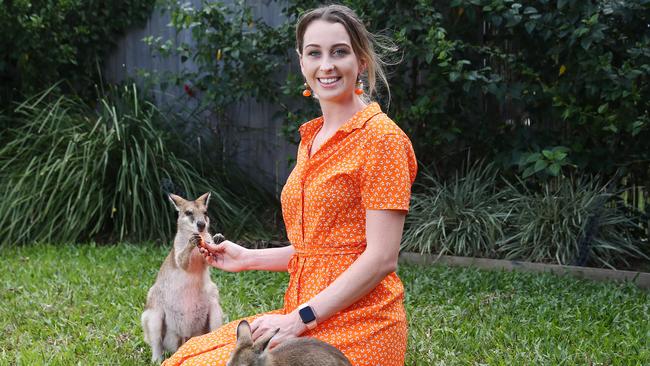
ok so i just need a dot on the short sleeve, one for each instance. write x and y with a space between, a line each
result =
388 173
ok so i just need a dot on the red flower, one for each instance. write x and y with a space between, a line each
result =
188 90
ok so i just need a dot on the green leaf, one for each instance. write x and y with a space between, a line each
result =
530 27
554 169
637 126
513 20
559 155
566 114
533 157
548 154
429 57
540 165
603 108
530 10
528 172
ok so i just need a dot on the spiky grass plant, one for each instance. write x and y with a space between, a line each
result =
570 221
460 217
70 173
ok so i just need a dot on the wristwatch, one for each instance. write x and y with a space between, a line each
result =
307 315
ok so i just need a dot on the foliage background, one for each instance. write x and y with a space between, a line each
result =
541 87
44 41
545 91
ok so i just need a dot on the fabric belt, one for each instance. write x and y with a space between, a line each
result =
296 266
315 252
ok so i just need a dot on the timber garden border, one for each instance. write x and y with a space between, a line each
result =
640 279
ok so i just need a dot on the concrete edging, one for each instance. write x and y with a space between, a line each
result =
640 279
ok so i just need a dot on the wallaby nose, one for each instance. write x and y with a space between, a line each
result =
200 225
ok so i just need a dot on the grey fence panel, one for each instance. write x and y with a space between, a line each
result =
252 138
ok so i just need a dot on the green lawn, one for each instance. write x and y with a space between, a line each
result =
68 305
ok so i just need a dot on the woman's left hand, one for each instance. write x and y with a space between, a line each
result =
290 326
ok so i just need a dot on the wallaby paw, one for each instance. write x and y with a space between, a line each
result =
218 238
196 240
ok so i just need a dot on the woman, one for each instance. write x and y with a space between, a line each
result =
344 206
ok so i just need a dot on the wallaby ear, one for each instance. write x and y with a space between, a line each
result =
244 334
177 201
204 199
262 342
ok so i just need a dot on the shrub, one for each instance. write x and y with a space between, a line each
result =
570 221
72 173
44 41
461 217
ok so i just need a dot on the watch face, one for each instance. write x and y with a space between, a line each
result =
307 315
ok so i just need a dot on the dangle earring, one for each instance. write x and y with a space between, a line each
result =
307 91
359 88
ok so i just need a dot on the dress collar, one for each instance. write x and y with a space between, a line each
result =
358 120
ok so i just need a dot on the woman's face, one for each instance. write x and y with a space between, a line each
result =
328 62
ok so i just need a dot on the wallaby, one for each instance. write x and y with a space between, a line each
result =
183 302
300 351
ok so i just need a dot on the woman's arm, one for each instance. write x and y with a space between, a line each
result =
231 257
271 259
383 236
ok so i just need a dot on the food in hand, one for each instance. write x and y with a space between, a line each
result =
200 243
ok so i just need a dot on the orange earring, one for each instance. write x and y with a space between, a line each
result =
307 91
359 89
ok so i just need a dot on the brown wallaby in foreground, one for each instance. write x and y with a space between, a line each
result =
300 351
183 302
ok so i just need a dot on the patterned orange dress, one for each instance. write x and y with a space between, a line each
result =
368 164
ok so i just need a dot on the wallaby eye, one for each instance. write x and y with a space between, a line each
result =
188 213
205 213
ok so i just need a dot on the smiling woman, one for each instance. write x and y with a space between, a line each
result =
343 205
329 64
349 41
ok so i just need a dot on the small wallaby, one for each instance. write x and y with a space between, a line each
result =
183 302
300 351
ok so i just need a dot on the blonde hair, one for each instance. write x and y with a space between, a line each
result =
363 42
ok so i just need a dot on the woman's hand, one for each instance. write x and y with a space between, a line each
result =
226 256
290 326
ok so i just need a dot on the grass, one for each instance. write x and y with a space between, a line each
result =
67 305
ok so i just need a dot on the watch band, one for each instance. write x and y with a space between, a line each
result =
308 316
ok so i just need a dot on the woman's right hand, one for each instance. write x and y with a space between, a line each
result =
226 256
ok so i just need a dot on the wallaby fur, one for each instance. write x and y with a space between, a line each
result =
300 351
183 302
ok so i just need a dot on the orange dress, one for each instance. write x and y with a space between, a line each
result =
368 164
